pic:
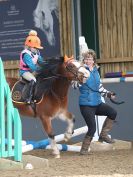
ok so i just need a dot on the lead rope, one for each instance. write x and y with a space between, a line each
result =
112 100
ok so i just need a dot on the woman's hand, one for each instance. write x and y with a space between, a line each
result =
111 95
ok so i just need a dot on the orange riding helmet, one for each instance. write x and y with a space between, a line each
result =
33 40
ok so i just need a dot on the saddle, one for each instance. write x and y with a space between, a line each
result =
20 92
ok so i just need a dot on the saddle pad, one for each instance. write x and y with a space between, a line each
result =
20 92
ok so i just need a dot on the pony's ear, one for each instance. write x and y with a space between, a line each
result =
72 57
66 58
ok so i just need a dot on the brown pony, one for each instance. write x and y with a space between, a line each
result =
54 101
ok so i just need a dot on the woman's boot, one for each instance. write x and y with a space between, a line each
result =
85 145
107 126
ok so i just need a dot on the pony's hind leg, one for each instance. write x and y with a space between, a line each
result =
48 128
70 119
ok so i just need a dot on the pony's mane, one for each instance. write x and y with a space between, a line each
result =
47 74
49 67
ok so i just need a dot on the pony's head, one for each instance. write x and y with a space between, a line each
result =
64 67
75 70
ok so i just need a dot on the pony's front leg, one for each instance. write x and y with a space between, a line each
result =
48 128
54 147
70 118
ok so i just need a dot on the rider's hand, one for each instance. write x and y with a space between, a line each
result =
111 95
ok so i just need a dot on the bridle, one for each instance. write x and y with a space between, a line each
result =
75 71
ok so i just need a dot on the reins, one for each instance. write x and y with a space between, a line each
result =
51 77
68 68
116 102
59 76
75 73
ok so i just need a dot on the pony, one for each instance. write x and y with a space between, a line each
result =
53 83
43 18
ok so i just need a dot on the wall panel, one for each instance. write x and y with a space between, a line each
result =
115 35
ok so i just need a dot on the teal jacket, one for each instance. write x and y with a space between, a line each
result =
27 59
87 96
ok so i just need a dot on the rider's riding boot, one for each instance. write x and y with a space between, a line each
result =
85 145
31 88
107 126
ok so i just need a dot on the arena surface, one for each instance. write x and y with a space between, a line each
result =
117 162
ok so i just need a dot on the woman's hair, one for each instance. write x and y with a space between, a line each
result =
89 52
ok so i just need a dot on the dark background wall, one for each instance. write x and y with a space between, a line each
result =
123 128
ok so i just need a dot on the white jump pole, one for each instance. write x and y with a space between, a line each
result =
58 138
61 147
65 147
13 142
117 80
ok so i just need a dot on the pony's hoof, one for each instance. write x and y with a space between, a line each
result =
57 156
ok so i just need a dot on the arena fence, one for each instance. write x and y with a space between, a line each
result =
117 80
10 122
